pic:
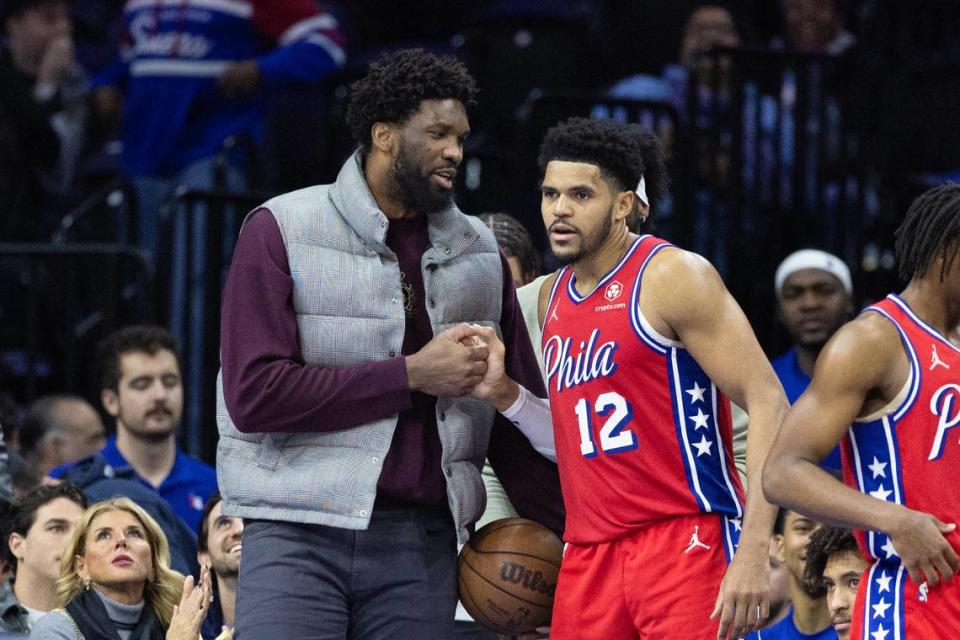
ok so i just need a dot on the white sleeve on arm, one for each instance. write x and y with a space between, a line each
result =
532 416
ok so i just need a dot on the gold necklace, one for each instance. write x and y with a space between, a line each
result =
409 295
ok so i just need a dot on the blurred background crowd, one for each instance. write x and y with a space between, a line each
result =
135 136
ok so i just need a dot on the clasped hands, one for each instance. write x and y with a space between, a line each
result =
466 359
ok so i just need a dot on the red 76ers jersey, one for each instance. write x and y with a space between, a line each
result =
641 432
908 453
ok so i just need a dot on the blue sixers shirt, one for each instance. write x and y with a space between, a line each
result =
187 487
795 382
786 630
172 53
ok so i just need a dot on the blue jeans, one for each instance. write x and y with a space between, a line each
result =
394 581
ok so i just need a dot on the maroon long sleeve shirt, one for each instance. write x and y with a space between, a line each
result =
269 388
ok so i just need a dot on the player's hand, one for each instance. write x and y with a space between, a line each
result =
496 387
240 78
743 603
918 538
188 616
451 364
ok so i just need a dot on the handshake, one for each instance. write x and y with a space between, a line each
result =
464 360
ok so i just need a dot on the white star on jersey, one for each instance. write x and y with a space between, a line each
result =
888 549
881 493
737 523
880 633
884 581
880 609
878 468
703 447
700 420
696 393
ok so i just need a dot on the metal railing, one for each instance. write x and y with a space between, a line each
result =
57 302
199 238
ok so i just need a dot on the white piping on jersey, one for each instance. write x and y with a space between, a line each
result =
237 8
913 379
572 289
298 30
185 68
891 406
728 542
897 597
722 451
858 469
548 312
894 457
682 417
923 325
641 325
897 603
661 339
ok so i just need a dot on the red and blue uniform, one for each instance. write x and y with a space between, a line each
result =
643 440
172 53
909 455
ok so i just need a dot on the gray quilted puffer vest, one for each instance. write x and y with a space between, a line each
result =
347 297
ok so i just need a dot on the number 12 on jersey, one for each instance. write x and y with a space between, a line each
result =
614 437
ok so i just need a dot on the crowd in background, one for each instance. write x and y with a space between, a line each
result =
149 98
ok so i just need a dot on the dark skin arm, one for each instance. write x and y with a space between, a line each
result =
684 298
859 371
677 288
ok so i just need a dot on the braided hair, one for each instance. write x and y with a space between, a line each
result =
514 239
623 152
931 229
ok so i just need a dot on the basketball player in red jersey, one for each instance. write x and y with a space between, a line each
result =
888 384
642 345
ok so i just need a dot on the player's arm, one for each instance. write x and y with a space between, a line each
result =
683 296
865 359
529 413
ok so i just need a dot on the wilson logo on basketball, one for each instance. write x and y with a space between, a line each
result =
515 573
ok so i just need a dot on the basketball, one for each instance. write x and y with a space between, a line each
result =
508 575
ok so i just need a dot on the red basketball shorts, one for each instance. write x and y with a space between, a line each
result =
891 606
658 582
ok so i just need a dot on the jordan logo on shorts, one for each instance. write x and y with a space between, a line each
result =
935 360
695 541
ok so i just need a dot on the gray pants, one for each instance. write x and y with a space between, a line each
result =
396 580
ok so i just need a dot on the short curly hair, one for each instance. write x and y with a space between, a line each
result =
396 85
824 542
624 153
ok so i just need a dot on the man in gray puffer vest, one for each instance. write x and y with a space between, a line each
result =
349 442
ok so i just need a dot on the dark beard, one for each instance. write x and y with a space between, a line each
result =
587 249
416 191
